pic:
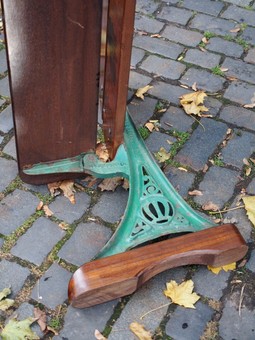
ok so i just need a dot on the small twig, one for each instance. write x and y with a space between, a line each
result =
153 310
224 211
241 300
198 121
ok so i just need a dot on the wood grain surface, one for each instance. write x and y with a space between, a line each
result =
119 275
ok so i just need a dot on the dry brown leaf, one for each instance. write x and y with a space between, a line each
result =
246 162
67 187
102 152
182 294
91 181
231 78
140 331
99 336
249 106
54 188
210 206
235 30
182 169
205 40
63 225
223 69
142 90
40 206
150 126
50 329
249 203
194 87
125 184
205 168
156 36
110 184
195 193
40 315
47 211
248 171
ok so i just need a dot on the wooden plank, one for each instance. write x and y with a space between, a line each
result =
118 53
119 275
53 54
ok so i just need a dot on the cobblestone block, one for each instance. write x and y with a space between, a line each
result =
8 171
80 324
3 62
146 24
205 6
251 187
6 121
213 105
146 6
240 70
148 297
250 58
203 142
137 56
238 148
204 278
225 47
85 243
156 140
203 59
239 14
168 92
174 14
12 275
179 120
25 311
189 323
10 148
15 210
251 263
4 87
51 289
240 92
239 2
137 80
217 186
241 327
65 210
208 23
42 189
182 36
38 241
104 207
163 67
158 46
180 180
204 79
249 35
141 110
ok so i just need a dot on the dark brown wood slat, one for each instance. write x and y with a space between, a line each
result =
119 275
53 55
118 53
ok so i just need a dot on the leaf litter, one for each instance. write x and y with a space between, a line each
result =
192 103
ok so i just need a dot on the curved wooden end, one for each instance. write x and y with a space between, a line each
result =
119 275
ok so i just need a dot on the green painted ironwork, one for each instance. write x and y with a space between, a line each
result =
154 208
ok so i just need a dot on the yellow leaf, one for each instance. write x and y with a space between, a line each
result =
249 202
191 102
216 270
162 155
142 90
140 331
182 294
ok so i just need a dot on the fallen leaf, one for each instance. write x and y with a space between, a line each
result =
195 193
231 78
40 205
63 226
202 49
162 155
102 152
19 330
51 329
191 102
47 211
142 33
99 336
226 268
4 302
205 40
249 106
223 69
54 188
180 58
210 206
150 126
110 184
155 36
249 203
235 30
182 169
194 87
205 168
182 294
142 90
91 181
161 111
125 184
140 331
4 293
248 171
246 162
67 186
184 86
41 318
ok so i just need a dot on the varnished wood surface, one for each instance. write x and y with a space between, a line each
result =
53 54
119 275
120 27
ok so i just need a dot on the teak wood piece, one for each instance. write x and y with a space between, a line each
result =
119 275
53 56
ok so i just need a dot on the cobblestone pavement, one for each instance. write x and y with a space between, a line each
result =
37 257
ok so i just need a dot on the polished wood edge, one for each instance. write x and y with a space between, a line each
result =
121 274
